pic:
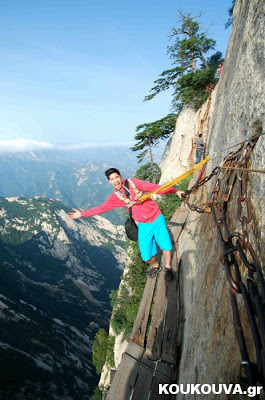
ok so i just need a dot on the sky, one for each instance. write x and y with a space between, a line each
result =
75 72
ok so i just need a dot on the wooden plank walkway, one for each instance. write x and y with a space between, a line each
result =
150 356
170 334
163 374
137 378
125 377
163 330
140 326
144 380
155 336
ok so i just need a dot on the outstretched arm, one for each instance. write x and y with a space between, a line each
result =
151 187
111 203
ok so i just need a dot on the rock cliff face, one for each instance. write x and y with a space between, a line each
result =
209 350
177 157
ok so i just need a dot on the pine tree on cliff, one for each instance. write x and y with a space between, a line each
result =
230 13
189 47
147 137
149 172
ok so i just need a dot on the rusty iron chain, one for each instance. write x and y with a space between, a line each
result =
237 253
205 207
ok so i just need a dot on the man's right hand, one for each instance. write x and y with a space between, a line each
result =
74 215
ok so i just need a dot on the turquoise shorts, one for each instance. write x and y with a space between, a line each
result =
151 233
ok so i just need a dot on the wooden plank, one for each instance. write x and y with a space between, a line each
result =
166 291
124 380
162 338
140 325
177 222
133 381
149 378
112 375
126 374
165 369
154 394
144 380
181 320
155 336
177 214
170 335
172 315
135 351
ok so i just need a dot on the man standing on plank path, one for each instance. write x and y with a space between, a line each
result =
199 149
151 222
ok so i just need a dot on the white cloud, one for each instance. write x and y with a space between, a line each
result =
24 145
93 145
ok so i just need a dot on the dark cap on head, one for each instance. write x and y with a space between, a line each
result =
110 171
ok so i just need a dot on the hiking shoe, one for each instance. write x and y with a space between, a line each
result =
152 272
169 274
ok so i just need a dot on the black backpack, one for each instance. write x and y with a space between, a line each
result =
131 228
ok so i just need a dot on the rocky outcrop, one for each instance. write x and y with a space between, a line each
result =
235 111
179 153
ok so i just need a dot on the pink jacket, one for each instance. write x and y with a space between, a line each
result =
147 211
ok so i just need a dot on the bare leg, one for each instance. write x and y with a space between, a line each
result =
153 262
167 258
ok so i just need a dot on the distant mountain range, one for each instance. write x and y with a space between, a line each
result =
55 278
76 177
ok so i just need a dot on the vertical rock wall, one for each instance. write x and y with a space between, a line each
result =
209 351
179 154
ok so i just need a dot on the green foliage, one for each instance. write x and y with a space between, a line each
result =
230 13
190 88
148 135
215 59
152 132
102 350
190 46
110 354
169 203
100 393
167 80
145 172
126 302
97 394
186 51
